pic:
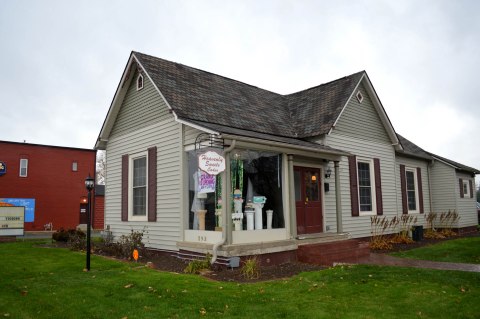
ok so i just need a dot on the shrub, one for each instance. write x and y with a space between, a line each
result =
64 235
197 265
78 240
251 268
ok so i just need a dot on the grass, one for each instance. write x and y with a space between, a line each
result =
40 282
463 250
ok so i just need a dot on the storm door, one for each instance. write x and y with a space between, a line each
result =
308 200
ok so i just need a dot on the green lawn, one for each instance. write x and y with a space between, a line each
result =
463 250
49 283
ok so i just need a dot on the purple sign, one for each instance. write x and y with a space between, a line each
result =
206 182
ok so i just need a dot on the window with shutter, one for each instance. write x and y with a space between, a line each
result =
365 186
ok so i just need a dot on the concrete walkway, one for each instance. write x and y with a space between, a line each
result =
386 260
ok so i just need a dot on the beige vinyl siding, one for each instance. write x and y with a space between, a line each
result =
166 231
360 226
139 108
466 207
361 120
413 163
444 187
190 134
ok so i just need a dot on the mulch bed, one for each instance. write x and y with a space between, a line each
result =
170 263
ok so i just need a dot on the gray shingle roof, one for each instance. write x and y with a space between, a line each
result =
412 149
203 96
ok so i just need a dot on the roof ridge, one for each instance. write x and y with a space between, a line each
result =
208 72
326 83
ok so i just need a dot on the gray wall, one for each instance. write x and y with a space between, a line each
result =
143 122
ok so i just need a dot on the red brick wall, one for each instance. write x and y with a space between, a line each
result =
99 212
57 189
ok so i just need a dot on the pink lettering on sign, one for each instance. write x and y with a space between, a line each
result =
211 163
206 183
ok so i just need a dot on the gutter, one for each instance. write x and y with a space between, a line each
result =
224 210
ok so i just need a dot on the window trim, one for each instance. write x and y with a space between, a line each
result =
139 87
24 160
466 184
415 184
372 187
131 159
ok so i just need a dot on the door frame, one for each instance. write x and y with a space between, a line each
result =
321 167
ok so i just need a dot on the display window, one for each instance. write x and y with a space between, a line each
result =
205 196
256 184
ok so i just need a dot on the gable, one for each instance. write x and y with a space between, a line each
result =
361 119
140 108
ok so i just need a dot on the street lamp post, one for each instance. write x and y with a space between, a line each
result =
89 185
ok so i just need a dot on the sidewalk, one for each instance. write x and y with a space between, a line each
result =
386 260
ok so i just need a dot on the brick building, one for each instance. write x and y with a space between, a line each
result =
50 182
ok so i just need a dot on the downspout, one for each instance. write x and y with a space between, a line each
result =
429 172
225 203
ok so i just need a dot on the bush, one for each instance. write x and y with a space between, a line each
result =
64 235
78 240
251 268
124 246
196 266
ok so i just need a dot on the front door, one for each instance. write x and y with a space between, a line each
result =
308 199
83 213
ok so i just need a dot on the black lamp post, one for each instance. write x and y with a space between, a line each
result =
89 185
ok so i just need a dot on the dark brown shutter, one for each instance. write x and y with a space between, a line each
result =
378 186
471 188
403 185
352 164
460 182
124 211
420 189
152 184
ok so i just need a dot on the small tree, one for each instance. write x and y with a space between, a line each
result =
101 167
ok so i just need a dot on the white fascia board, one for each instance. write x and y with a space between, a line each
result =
383 115
345 106
114 107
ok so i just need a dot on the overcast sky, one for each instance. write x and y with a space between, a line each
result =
61 61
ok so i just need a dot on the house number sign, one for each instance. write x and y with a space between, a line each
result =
211 163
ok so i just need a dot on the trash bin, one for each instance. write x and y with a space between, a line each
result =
417 233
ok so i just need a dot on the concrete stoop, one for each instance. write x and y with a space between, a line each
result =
333 252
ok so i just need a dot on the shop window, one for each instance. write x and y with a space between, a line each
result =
255 175
23 167
205 196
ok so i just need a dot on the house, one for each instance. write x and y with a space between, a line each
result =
278 172
49 181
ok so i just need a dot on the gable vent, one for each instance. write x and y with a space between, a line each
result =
359 96
140 82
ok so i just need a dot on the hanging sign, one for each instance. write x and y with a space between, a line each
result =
211 163
3 168
206 183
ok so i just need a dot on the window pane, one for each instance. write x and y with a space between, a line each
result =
364 187
411 196
23 167
139 201
364 174
140 172
311 185
365 199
